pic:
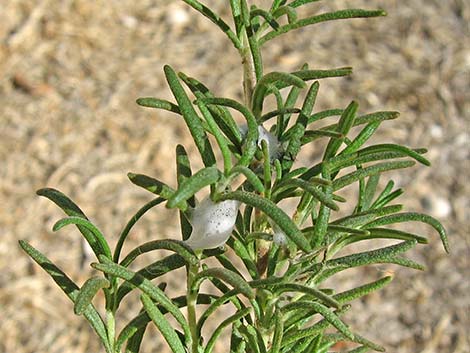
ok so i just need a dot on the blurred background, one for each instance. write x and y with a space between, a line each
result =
71 71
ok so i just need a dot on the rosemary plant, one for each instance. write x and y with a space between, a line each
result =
280 301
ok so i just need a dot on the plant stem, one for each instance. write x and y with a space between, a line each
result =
111 326
191 300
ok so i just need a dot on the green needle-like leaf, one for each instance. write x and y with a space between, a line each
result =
151 184
152 271
230 320
159 104
344 125
193 184
146 287
88 292
219 137
222 116
266 15
359 292
211 15
177 246
65 203
412 216
262 87
131 223
308 75
310 187
368 171
191 118
162 324
252 135
275 213
97 241
250 176
337 15
183 172
70 289
314 292
226 275
387 254
278 332
322 310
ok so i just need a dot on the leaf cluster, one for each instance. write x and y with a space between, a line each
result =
280 300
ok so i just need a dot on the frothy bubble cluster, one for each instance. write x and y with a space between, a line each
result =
274 147
212 223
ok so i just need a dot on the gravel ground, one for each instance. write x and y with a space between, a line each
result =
72 71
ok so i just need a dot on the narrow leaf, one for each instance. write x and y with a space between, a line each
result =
324 311
177 246
131 223
162 324
311 189
230 320
152 271
312 291
412 216
278 332
151 184
262 87
275 213
159 104
97 241
337 15
88 292
191 118
252 135
359 292
250 176
70 289
145 286
369 171
228 276
190 186
344 125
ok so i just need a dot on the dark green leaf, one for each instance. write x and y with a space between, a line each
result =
231 319
193 184
162 324
151 184
70 289
145 286
412 216
177 246
131 223
159 104
97 241
322 310
344 125
252 135
250 176
308 75
311 189
337 15
275 213
207 12
262 88
191 118
359 292
88 292
369 171
227 276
